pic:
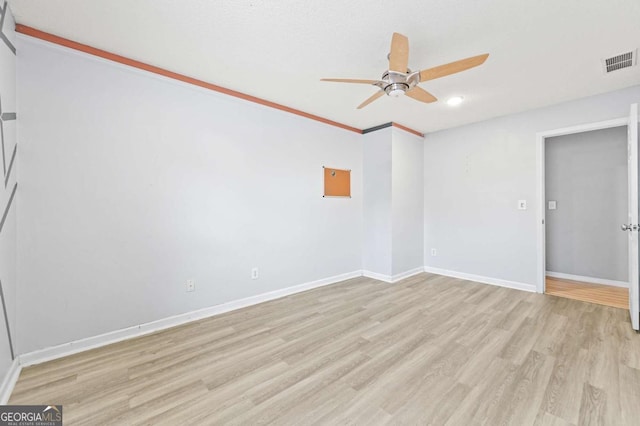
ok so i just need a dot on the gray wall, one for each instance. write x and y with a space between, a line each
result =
377 224
586 173
407 203
8 189
132 184
392 187
475 175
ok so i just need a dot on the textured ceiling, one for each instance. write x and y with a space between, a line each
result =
542 52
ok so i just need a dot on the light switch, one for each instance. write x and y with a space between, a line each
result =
552 205
522 204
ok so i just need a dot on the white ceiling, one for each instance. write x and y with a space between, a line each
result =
542 52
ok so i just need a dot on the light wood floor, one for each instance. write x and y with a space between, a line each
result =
428 350
617 297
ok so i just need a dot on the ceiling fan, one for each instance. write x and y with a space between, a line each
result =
400 80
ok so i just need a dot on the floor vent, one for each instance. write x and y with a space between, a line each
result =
618 62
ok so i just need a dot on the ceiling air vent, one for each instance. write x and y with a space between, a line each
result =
618 62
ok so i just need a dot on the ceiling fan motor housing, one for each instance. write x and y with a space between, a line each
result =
396 83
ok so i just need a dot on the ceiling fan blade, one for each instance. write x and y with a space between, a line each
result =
349 80
419 94
399 55
452 68
371 99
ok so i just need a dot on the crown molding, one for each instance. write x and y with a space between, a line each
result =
407 129
52 38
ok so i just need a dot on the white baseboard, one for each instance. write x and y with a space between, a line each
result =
377 276
65 349
591 280
407 274
481 279
9 381
393 278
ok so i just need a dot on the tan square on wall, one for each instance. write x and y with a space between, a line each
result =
337 182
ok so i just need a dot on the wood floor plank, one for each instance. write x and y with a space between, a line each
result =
617 297
523 396
629 395
546 419
427 350
592 407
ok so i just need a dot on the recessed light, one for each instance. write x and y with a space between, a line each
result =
454 101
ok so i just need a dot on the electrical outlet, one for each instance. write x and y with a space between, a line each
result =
191 286
254 273
434 252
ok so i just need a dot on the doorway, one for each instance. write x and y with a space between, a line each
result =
568 282
586 201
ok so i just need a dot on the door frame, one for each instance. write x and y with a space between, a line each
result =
540 185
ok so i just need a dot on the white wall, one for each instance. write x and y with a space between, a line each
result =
8 205
407 204
393 202
474 176
377 229
586 174
132 184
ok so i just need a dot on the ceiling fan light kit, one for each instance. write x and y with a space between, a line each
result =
400 80
396 89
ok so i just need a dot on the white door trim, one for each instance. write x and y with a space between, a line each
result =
632 237
540 183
